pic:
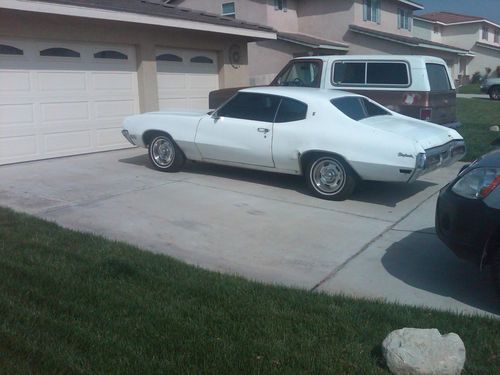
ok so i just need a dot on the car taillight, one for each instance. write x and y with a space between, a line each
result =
425 114
488 189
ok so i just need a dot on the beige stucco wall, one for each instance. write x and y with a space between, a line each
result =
425 30
484 58
144 37
462 36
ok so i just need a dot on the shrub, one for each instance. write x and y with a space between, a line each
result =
476 77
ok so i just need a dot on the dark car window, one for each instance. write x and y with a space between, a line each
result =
291 110
299 73
249 106
438 77
349 72
387 73
358 108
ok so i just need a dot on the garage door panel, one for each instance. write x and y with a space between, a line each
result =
70 141
17 114
13 148
114 81
205 81
62 81
11 80
68 111
113 109
55 106
174 103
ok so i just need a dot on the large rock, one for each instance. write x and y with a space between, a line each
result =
495 128
411 351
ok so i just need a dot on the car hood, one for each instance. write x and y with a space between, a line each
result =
425 134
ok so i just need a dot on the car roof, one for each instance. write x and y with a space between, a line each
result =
300 93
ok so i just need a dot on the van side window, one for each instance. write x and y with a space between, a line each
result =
438 77
349 72
299 73
393 73
380 73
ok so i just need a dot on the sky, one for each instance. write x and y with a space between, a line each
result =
490 9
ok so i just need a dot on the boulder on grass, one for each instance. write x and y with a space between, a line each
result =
410 351
495 128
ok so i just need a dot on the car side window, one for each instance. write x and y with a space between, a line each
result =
291 110
250 106
299 73
358 108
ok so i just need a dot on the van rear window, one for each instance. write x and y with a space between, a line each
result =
438 77
377 73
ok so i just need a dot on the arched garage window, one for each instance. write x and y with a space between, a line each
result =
202 60
9 50
115 55
168 57
59 52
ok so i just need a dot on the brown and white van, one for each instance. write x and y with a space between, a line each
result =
416 86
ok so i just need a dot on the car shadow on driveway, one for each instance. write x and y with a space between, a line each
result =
422 261
380 193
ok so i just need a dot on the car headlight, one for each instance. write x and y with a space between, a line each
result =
478 183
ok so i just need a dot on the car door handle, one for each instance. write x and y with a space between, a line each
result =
263 130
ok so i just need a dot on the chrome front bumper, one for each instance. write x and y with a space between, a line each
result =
439 157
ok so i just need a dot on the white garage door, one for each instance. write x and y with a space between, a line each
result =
59 99
185 77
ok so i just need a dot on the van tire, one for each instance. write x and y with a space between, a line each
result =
494 93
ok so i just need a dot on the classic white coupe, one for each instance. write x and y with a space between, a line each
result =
333 138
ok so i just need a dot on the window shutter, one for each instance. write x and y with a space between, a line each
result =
285 7
365 5
377 10
410 21
399 18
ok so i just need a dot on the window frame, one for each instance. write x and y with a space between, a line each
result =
217 113
281 5
282 98
362 101
228 14
375 11
485 32
448 78
405 19
176 58
496 37
366 84
14 51
319 62
118 55
77 55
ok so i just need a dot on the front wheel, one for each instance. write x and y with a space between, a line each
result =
495 93
495 267
329 177
165 155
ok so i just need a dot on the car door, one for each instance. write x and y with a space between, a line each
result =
241 131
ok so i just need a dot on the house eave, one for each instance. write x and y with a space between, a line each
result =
124 16
313 46
412 4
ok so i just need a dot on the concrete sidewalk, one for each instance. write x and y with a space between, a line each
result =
379 244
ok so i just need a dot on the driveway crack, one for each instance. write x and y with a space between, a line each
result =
340 267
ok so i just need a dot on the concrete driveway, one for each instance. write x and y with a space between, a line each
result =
379 244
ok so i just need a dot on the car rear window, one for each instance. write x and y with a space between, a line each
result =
379 73
358 108
291 110
438 77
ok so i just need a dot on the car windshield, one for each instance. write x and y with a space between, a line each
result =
358 108
299 73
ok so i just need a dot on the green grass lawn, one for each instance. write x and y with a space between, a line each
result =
476 116
472 88
77 303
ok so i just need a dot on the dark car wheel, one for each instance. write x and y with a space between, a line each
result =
165 155
495 93
329 177
495 267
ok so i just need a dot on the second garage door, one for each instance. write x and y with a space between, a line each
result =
185 77
59 98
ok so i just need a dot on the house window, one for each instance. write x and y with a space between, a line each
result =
59 52
9 50
202 60
229 10
280 5
371 10
169 57
114 55
497 36
485 32
404 19
436 29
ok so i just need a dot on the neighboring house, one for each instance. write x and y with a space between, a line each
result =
477 34
318 27
70 70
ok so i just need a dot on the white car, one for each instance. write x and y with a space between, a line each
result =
334 138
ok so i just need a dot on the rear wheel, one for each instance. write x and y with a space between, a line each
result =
329 177
165 155
495 93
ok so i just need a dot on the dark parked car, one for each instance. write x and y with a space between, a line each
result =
468 213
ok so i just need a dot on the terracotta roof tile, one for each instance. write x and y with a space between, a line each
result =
448 17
